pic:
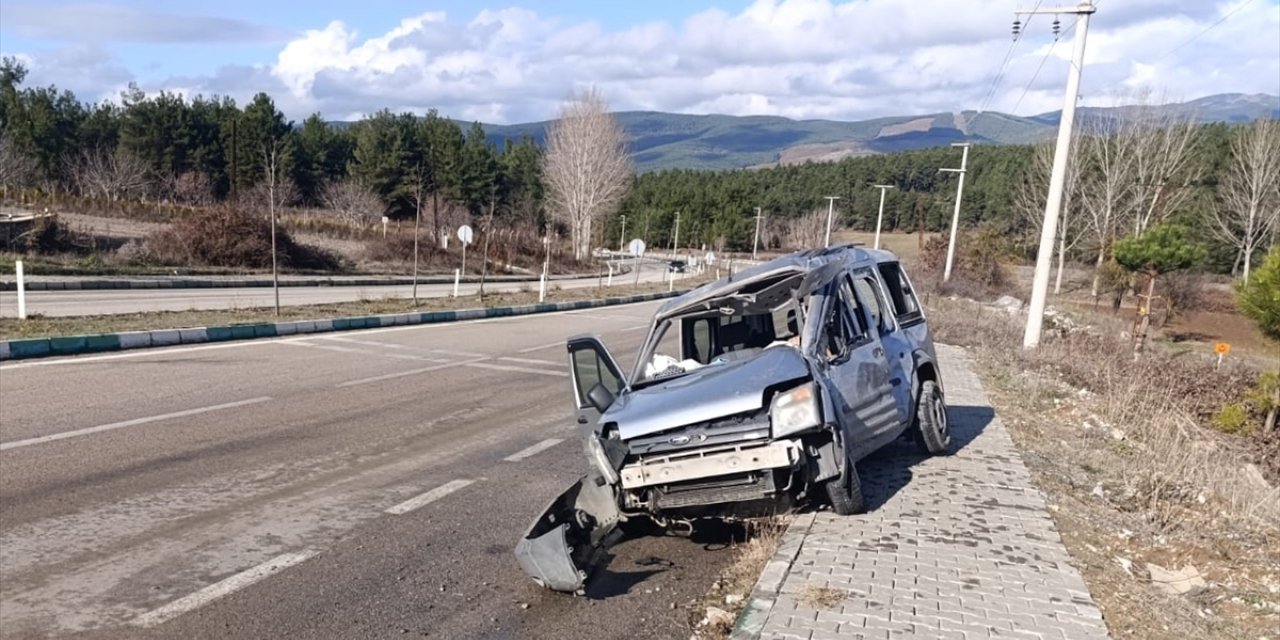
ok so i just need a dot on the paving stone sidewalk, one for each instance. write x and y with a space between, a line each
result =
959 546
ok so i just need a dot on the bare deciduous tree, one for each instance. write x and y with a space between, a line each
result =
190 187
16 168
1250 192
1030 199
1161 150
587 168
807 231
110 175
352 201
1108 154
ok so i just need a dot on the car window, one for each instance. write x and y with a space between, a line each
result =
872 301
842 327
903 299
591 369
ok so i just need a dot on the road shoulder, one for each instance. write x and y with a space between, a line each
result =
957 546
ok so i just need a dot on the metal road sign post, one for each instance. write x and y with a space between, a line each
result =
465 234
636 247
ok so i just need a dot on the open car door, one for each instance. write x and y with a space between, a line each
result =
573 532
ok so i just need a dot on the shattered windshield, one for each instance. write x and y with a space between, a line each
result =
734 327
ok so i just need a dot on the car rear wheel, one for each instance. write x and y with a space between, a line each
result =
845 491
931 419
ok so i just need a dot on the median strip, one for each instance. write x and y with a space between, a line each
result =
15 349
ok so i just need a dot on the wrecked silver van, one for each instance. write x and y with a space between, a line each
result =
750 395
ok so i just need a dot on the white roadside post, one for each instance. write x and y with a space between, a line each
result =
955 215
610 281
546 264
755 242
636 247
880 216
831 209
1058 178
22 291
465 234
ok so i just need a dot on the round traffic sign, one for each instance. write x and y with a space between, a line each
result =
636 247
465 234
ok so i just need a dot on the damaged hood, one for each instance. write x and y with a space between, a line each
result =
705 394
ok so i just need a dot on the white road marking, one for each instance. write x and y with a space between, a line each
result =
534 450
220 589
603 316
401 374
637 327
550 363
387 345
129 423
557 343
367 352
503 367
428 497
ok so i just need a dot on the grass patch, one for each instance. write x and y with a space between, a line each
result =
37 326
1135 469
821 598
732 590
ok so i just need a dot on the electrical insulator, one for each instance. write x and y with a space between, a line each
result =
1017 28
1057 27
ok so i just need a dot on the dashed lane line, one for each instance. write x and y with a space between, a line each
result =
550 363
129 423
401 374
428 497
367 352
221 589
534 450
557 343
503 367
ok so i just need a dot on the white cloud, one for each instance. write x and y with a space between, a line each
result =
797 58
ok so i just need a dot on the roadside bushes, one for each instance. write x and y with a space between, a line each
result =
978 269
230 237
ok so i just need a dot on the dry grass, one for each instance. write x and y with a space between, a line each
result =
821 598
732 590
1132 472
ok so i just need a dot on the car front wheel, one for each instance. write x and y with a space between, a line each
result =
931 419
845 491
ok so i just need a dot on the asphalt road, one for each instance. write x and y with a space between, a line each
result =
108 301
354 485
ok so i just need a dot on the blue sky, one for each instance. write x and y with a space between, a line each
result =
515 61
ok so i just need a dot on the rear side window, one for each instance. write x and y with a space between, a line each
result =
869 295
905 305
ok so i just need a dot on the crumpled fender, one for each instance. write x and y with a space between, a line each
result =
564 543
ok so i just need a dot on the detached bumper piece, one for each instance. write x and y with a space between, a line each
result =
567 540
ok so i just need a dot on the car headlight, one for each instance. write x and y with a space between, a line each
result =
795 410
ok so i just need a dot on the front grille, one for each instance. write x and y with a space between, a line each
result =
734 430
750 486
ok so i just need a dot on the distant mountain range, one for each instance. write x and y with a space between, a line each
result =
670 140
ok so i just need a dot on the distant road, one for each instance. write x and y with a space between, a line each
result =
109 301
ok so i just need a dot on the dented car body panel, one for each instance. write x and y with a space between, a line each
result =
749 395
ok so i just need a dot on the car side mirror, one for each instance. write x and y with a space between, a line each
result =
600 397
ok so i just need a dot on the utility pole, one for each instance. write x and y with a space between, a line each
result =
1057 180
880 216
755 244
831 209
955 216
622 239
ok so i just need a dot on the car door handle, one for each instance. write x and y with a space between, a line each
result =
878 352
895 381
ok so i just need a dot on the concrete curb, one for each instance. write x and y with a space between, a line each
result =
160 282
76 345
760 605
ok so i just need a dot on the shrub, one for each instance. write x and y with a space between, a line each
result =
1260 299
49 235
232 237
1233 418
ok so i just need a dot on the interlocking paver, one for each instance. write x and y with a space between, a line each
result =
959 546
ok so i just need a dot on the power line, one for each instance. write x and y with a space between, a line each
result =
995 82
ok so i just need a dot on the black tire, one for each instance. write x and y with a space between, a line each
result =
932 425
845 491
